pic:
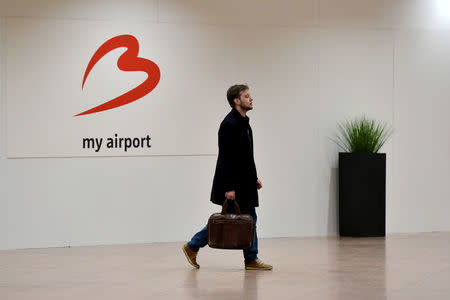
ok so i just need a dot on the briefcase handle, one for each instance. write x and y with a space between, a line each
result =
225 206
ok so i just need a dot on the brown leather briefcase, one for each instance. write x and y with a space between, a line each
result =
230 230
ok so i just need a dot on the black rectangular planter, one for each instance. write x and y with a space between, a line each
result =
362 194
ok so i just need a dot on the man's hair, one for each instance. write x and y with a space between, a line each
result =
235 92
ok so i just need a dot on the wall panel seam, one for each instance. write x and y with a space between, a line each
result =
3 87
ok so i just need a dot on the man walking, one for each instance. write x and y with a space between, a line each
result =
235 177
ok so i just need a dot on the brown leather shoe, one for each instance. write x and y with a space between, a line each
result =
257 264
191 256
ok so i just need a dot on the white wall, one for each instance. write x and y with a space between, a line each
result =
309 64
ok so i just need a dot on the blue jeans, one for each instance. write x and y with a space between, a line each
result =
200 240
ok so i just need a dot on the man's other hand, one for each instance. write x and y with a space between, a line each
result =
230 195
258 184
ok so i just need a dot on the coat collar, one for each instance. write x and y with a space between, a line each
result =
239 117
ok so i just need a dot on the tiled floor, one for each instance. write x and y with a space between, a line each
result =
401 266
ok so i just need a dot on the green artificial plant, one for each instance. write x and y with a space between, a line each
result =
362 135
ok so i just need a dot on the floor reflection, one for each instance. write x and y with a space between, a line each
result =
222 285
358 267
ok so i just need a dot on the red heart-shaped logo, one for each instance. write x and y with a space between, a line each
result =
128 61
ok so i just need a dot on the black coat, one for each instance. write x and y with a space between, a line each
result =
235 169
